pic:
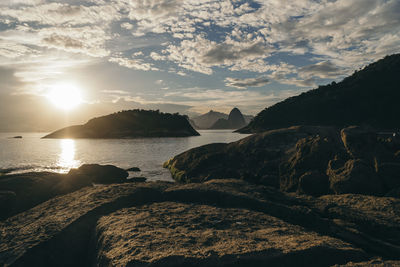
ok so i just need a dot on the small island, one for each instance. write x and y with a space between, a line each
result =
130 124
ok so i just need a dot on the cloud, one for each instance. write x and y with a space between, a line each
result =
136 64
324 69
244 83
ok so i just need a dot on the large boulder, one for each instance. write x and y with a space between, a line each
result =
308 161
355 176
305 159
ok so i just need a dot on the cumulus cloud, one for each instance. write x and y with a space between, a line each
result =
244 83
136 64
301 43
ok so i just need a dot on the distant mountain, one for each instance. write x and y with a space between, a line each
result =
130 124
235 121
206 121
368 97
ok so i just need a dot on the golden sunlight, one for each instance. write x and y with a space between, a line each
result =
65 96
67 156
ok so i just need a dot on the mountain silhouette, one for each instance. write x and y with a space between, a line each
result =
235 121
130 124
369 97
207 120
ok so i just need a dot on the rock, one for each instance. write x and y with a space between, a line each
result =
389 173
137 179
218 222
32 189
313 183
376 218
358 141
58 232
133 169
8 200
321 157
354 177
311 154
372 263
102 174
176 234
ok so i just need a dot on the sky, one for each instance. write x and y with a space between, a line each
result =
180 56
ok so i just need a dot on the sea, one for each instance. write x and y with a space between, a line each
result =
33 154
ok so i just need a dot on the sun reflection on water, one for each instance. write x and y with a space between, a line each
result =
67 159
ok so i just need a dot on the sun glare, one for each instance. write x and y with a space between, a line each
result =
65 96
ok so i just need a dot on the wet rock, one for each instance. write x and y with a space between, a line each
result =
176 234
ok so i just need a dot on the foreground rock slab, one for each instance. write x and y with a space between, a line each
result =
63 225
225 222
176 234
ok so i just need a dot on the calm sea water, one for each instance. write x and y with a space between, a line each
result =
60 155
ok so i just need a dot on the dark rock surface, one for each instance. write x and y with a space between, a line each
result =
306 159
31 189
130 124
133 169
372 263
368 97
216 223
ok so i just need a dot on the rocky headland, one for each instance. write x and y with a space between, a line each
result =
130 124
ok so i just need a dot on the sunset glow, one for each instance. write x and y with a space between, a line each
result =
65 96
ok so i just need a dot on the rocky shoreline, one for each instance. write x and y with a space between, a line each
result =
271 199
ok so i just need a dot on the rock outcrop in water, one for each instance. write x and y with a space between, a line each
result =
308 160
216 223
130 124
368 97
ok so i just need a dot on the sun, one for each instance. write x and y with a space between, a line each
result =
65 96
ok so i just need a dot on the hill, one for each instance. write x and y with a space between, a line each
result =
235 121
130 124
207 120
368 97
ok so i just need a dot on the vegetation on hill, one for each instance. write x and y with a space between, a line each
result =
128 124
368 97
